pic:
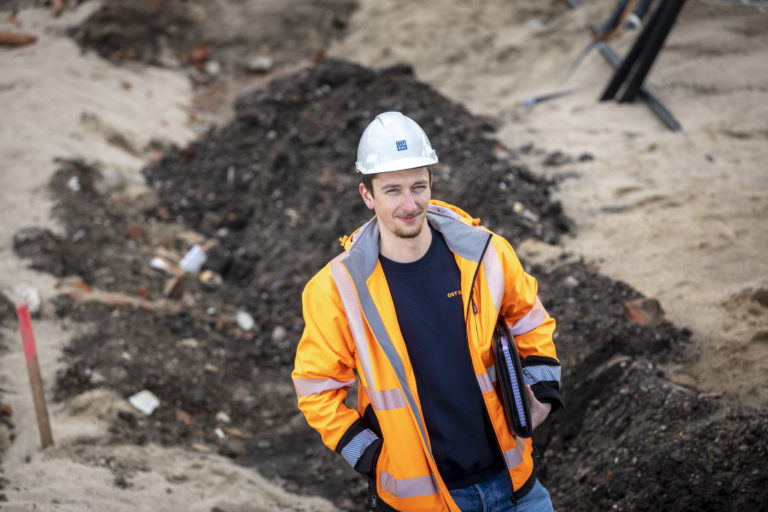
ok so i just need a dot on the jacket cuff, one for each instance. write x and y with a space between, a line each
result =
355 441
549 393
367 462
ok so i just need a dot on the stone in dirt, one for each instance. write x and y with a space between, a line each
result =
644 311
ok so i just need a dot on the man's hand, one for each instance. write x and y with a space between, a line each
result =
539 410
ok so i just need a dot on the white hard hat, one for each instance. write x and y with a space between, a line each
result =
393 142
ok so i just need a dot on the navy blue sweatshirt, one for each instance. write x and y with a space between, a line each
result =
428 303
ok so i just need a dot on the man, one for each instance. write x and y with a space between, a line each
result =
411 306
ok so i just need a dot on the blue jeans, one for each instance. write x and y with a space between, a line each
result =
495 495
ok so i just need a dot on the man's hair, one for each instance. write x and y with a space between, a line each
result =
368 180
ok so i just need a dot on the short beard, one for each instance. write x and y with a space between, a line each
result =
409 234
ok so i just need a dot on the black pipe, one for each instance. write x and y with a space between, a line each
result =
647 96
629 61
651 49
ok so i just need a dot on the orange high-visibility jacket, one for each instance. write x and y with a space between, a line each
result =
352 330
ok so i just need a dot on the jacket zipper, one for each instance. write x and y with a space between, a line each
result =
469 353
471 300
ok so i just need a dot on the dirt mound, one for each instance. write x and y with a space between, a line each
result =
195 33
630 439
139 31
267 188
269 184
646 444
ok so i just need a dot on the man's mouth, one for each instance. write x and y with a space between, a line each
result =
410 219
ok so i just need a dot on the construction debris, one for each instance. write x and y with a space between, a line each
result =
174 287
259 64
193 260
24 293
16 39
245 321
145 401
644 311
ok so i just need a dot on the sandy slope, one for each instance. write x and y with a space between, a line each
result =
59 103
682 217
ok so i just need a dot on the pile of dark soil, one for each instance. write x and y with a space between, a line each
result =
280 177
137 31
18 5
630 439
275 188
194 32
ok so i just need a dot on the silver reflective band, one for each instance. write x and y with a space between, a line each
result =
361 261
534 318
494 275
384 399
355 448
541 373
354 317
387 399
514 456
486 380
409 487
307 387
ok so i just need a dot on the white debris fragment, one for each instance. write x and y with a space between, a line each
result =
571 282
213 68
162 264
245 321
145 401
194 259
158 263
188 343
279 333
259 64
74 184
529 215
25 293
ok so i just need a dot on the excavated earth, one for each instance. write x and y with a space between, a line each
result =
272 191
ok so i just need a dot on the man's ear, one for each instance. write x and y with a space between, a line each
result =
367 196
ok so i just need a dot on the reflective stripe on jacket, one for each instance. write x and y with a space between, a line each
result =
351 326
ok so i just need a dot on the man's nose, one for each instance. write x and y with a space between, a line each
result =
409 202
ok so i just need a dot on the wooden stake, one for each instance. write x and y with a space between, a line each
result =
35 380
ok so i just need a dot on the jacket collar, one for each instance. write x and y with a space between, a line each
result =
462 237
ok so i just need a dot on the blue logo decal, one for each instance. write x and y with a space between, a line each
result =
401 145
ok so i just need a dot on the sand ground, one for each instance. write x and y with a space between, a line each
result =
679 216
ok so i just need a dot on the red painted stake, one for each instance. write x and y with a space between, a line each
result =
33 369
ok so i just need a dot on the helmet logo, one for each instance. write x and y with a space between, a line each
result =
401 145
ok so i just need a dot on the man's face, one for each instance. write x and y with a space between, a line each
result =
400 200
